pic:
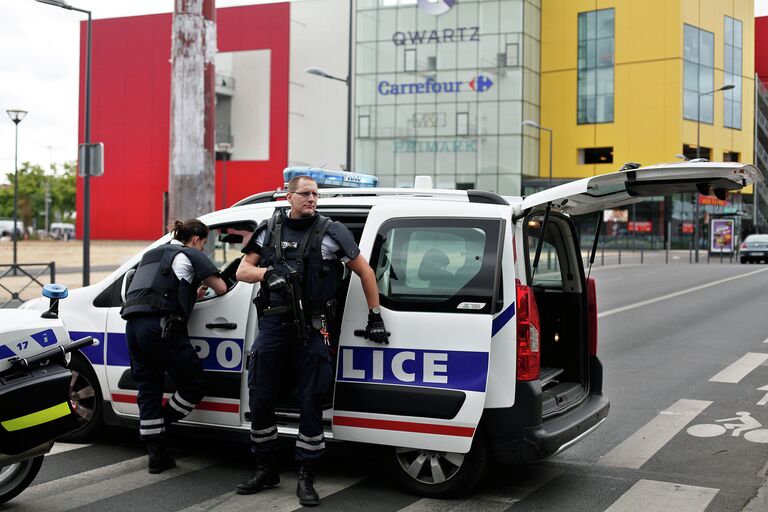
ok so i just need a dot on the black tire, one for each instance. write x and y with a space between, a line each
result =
743 260
14 478
457 475
85 394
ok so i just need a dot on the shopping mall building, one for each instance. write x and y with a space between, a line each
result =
477 94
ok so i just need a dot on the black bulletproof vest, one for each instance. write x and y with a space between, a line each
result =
155 287
319 278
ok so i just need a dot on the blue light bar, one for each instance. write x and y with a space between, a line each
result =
327 178
55 291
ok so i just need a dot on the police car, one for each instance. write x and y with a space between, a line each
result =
493 351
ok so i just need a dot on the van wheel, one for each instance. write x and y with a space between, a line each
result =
435 474
85 396
14 478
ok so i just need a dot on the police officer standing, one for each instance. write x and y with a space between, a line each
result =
297 257
158 304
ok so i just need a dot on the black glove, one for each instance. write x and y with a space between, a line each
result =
375 330
275 279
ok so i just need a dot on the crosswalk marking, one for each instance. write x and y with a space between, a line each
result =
65 447
280 499
653 496
741 368
485 502
650 438
98 484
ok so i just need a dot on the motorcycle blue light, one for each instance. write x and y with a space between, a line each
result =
55 291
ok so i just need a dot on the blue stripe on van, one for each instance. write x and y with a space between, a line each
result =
94 353
504 317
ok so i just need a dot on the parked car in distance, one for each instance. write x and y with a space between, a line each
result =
62 231
754 248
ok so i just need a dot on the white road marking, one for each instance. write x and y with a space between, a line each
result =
83 489
741 368
280 499
65 447
763 401
677 294
765 340
484 502
634 451
653 496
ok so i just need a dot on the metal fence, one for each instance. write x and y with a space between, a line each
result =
15 281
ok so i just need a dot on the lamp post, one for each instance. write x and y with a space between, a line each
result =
534 124
87 140
698 155
322 73
16 116
224 148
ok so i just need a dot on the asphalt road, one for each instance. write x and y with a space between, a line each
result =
681 346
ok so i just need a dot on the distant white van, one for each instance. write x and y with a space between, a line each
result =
6 227
62 231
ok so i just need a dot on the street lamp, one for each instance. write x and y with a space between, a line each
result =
534 124
87 164
322 73
698 155
225 149
16 116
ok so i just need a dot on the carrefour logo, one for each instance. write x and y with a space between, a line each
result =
480 83
436 7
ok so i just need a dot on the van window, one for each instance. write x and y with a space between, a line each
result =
559 264
437 264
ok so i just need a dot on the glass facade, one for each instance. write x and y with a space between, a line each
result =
595 66
698 73
732 73
441 89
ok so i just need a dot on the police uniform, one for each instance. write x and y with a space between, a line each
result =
160 298
313 249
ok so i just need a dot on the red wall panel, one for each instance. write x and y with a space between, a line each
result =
761 48
130 114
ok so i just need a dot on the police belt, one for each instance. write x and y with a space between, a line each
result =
277 310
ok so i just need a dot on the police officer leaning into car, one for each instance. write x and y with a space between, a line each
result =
297 257
158 303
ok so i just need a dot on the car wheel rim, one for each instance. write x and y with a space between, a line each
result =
429 467
82 396
12 475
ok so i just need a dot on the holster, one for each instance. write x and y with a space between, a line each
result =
169 324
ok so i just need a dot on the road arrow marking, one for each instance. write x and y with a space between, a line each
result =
763 401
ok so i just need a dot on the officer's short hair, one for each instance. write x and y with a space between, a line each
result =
293 184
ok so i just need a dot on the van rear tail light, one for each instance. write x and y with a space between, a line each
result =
743 246
528 329
591 316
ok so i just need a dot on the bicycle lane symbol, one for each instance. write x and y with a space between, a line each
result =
742 423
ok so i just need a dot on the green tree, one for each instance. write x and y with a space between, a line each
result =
33 183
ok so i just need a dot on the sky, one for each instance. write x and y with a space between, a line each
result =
39 54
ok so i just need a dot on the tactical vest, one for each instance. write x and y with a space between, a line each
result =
297 244
156 289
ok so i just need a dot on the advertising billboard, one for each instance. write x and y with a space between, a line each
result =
721 239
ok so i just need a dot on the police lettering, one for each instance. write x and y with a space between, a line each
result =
403 366
446 35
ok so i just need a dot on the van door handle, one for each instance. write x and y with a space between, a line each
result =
229 326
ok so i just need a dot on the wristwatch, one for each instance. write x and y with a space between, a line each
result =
376 310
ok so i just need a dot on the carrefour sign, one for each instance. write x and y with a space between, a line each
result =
480 83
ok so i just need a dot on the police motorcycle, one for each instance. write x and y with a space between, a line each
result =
35 405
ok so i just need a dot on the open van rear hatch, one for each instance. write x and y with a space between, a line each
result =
631 184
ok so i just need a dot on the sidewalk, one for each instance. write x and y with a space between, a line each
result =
105 256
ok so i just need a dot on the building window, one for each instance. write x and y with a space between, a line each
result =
730 156
595 155
595 67
732 74
690 152
698 74
410 59
511 56
364 126
462 123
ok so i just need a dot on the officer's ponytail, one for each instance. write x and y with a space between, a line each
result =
184 231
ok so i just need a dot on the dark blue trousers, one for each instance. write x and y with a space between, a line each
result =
274 345
151 358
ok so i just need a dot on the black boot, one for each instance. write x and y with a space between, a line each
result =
159 460
265 477
305 487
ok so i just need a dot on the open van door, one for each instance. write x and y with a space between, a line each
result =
438 275
633 183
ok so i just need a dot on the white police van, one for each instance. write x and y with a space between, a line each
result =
488 356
